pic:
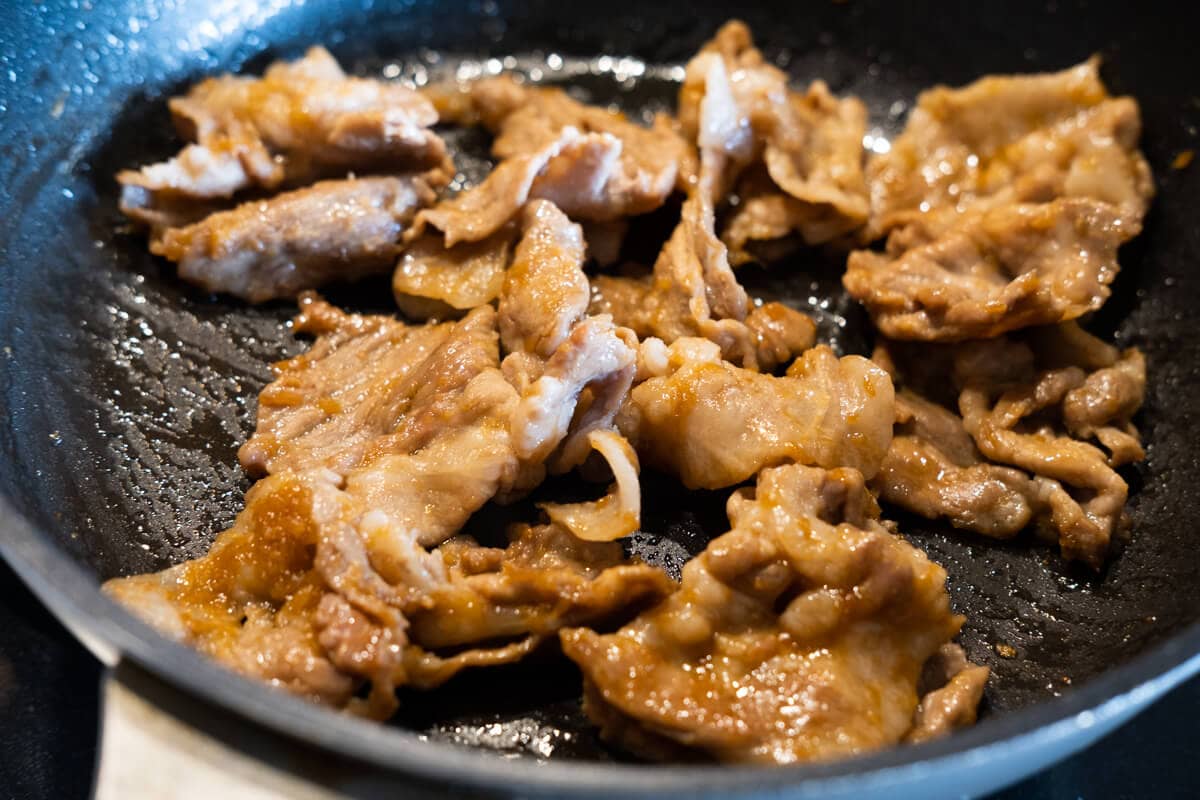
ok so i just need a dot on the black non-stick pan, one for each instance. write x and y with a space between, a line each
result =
125 394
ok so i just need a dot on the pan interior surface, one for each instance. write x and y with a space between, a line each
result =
127 393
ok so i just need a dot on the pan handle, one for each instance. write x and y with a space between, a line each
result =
159 743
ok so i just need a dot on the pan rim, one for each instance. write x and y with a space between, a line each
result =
74 596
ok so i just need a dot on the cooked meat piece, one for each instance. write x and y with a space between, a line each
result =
266 249
772 333
310 114
572 371
992 415
695 262
810 145
1104 404
1066 345
587 182
359 382
499 603
760 227
635 303
195 183
932 468
251 601
800 635
433 281
310 110
546 579
1011 267
767 225
619 512
216 170
1012 139
716 425
1029 403
780 333
573 167
415 419
953 698
693 291
311 594
815 155
691 281
578 172
657 359
160 213
597 357
545 291
527 118
432 482
556 353
301 120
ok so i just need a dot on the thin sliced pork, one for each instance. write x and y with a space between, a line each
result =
267 249
800 635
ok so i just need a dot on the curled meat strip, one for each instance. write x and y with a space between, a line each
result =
596 357
693 291
1086 497
619 512
808 147
545 292
573 371
301 120
1022 449
545 579
934 469
579 172
952 701
801 634
526 118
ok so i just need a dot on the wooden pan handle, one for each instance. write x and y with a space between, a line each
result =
151 748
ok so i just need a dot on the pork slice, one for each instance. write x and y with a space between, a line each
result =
1011 139
277 247
435 282
800 635
1011 267
300 121
1036 424
525 118
716 425
545 291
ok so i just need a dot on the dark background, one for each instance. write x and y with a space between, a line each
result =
48 724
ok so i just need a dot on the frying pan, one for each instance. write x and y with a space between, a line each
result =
125 393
